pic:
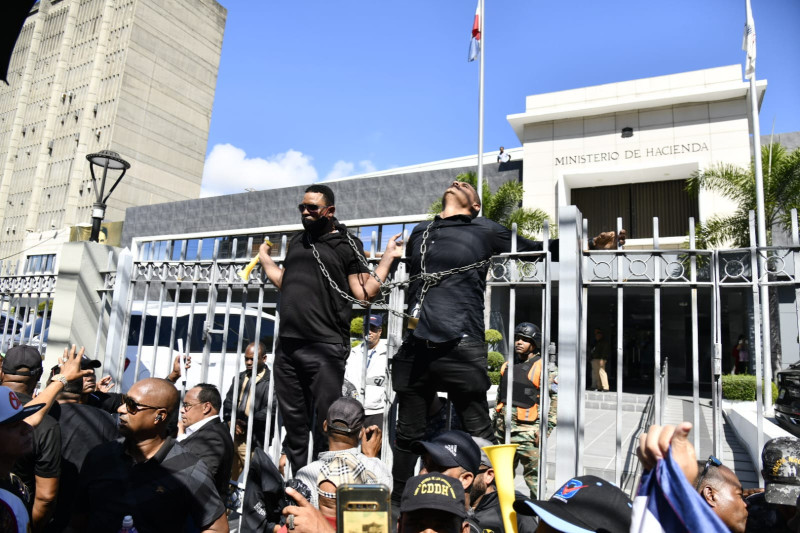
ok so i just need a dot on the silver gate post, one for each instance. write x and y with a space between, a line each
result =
760 355
569 331
695 341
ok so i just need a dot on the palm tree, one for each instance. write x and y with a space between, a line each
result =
503 206
781 170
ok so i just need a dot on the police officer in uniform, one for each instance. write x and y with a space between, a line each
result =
526 396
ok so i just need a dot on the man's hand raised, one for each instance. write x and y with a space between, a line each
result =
394 248
657 441
608 240
371 441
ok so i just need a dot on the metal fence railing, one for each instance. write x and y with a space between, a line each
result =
25 306
183 296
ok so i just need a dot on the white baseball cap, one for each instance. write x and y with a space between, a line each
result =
11 408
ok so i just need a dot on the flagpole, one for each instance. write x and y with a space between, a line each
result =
480 108
766 339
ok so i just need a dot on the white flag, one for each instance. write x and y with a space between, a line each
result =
749 43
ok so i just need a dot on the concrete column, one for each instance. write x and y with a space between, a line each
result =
56 92
87 119
76 300
569 438
22 106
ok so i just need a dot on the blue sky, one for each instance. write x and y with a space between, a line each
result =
313 90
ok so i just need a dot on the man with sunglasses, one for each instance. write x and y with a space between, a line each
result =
323 269
722 491
147 475
202 433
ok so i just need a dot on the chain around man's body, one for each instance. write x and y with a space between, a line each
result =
428 279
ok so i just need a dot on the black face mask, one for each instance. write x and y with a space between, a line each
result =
319 226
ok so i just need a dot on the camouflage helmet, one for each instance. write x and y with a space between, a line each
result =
529 331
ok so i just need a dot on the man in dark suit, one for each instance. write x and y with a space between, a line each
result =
242 405
203 434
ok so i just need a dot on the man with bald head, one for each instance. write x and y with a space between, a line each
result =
722 491
147 474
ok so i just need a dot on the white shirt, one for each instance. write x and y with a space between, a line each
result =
310 473
377 361
194 427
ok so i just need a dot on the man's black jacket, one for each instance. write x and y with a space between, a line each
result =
489 519
261 405
212 443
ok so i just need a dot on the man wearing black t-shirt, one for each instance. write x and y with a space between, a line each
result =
446 351
39 470
82 428
314 336
146 474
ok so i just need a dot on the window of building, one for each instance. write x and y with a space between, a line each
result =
637 204
40 263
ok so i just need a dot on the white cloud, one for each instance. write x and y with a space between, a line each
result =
341 169
366 166
228 170
344 169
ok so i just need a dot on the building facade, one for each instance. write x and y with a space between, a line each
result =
134 76
625 149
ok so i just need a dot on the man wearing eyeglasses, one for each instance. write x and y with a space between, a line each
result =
202 433
322 269
147 475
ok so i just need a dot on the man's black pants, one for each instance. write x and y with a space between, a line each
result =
308 379
419 370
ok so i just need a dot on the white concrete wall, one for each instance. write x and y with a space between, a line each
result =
703 126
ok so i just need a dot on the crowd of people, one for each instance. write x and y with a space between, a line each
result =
80 457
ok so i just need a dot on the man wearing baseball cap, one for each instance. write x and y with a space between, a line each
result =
584 504
452 453
16 440
344 427
483 498
376 363
39 469
433 502
772 509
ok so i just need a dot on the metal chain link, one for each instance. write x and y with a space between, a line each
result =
429 279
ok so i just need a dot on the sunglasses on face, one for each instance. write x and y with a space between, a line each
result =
134 407
312 208
712 461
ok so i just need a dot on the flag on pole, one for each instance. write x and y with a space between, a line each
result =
475 41
749 43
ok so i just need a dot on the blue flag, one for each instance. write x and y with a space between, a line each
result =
667 502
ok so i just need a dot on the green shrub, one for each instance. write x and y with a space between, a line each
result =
742 387
493 336
494 377
496 361
355 342
357 327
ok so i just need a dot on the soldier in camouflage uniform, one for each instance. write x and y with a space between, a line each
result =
525 400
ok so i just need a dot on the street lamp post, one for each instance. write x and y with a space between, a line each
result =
107 160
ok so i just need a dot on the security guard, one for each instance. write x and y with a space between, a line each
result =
526 395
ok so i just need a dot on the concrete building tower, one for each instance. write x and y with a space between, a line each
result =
133 76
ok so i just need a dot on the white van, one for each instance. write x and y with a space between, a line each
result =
156 355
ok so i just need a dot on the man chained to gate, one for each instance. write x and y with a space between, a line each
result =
324 272
449 260
526 401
